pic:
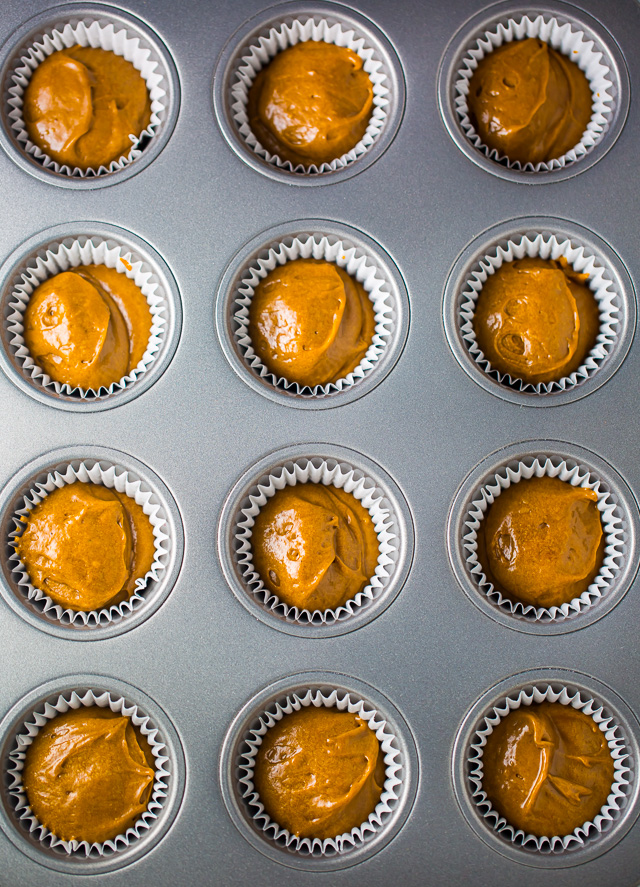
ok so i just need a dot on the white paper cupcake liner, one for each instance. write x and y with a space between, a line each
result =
548 247
566 38
343 701
357 264
64 257
612 526
113 478
342 476
30 729
99 36
288 34
616 800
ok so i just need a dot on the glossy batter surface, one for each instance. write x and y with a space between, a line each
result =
82 104
536 320
310 322
88 327
547 769
88 775
311 103
319 772
541 541
529 102
314 546
85 546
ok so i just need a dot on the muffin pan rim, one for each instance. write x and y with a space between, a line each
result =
403 520
12 723
224 70
467 728
234 737
485 242
485 19
487 467
47 19
249 252
20 257
24 479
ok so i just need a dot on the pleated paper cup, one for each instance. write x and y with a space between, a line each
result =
566 38
612 527
616 801
66 256
360 266
34 722
103 34
341 700
112 477
582 261
329 473
281 36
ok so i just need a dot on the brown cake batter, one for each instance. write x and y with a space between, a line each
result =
82 104
547 769
88 327
314 546
319 772
310 322
536 320
529 102
88 775
311 103
85 546
541 541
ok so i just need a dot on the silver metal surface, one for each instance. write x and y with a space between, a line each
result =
200 426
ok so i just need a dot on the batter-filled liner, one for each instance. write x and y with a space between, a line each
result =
113 477
66 256
281 36
567 39
362 267
612 528
391 790
616 801
547 247
351 480
73 700
109 36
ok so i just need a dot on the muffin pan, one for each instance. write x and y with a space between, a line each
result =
203 655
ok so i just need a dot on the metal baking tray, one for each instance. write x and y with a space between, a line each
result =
433 653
